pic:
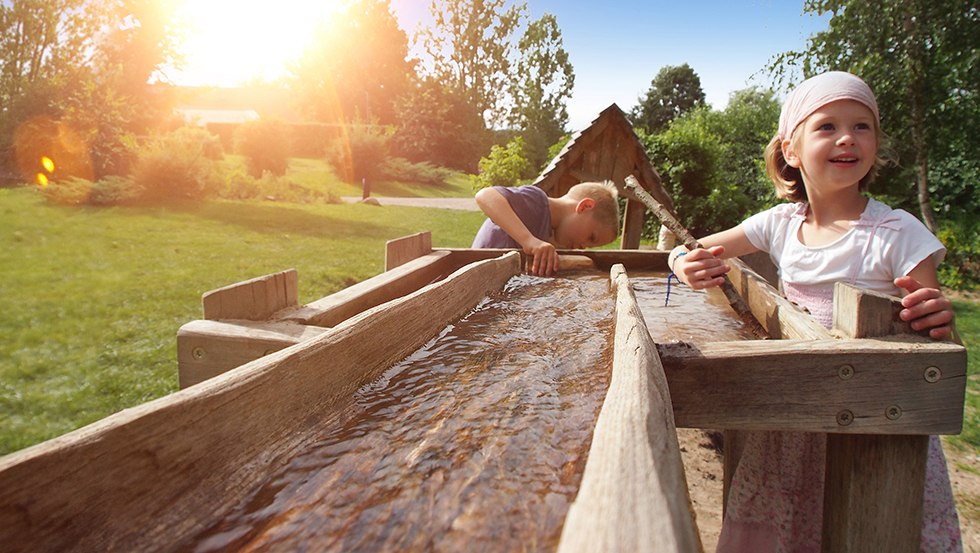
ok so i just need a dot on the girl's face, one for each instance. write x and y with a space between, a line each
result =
837 147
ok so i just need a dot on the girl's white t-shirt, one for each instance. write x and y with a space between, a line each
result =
882 245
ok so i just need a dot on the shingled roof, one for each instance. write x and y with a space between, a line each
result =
608 149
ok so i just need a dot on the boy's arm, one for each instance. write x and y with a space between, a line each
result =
496 207
924 302
703 268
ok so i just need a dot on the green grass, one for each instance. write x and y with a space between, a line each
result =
92 297
968 326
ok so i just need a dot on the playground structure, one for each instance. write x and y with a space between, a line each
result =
259 371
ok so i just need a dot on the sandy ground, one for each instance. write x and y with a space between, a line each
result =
703 468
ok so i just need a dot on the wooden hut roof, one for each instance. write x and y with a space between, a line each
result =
608 149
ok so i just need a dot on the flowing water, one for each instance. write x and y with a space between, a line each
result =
476 442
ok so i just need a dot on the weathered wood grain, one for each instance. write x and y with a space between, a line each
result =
255 299
407 248
634 495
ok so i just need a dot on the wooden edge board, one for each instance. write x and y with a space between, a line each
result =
147 477
402 250
344 304
780 317
206 349
254 299
633 496
632 260
836 386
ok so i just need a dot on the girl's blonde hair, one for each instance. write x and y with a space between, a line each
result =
788 180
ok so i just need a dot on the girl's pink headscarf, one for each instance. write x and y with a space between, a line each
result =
816 92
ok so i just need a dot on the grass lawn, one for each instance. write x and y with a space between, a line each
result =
93 297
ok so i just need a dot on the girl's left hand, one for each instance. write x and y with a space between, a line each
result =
926 308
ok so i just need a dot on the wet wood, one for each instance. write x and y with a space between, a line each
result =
255 299
798 385
407 248
137 479
640 260
874 485
206 349
634 495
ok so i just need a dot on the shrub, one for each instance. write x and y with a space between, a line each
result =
265 145
504 166
961 269
360 154
69 191
174 166
238 185
401 169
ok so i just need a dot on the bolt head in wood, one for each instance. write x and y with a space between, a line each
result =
198 353
845 418
933 374
893 412
845 372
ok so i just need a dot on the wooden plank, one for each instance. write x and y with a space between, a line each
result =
145 477
402 250
838 386
255 299
865 314
206 349
639 260
874 485
633 496
778 315
342 305
633 224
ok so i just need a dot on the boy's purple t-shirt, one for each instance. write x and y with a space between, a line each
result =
530 203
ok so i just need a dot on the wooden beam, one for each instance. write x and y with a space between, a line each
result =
402 250
206 349
633 496
874 485
255 299
778 315
402 280
837 386
147 476
633 224
648 260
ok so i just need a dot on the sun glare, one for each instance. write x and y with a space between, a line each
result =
230 42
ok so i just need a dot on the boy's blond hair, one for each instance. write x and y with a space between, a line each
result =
606 198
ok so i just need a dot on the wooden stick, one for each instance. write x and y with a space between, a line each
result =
671 222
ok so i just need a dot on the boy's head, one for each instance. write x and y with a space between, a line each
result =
595 221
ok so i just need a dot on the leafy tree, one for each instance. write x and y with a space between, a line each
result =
542 85
437 123
920 58
504 166
359 154
469 48
746 125
674 91
265 145
357 66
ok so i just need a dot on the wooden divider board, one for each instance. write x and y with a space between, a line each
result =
402 250
256 299
148 477
633 496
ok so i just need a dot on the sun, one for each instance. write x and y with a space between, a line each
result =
229 42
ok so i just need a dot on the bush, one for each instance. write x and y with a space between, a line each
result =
238 185
360 154
503 167
403 170
961 269
174 166
265 145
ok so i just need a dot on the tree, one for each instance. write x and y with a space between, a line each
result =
469 48
357 66
919 57
504 166
674 91
746 125
540 88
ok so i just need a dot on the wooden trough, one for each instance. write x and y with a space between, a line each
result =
260 371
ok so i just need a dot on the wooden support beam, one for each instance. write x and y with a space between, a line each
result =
206 349
255 299
402 280
633 260
407 248
147 476
634 495
633 224
874 485
838 386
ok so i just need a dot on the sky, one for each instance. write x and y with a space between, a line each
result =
616 47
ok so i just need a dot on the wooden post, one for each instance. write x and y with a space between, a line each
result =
874 485
632 224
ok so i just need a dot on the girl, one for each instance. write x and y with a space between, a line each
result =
823 156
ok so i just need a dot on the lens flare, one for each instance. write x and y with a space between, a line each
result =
42 179
47 163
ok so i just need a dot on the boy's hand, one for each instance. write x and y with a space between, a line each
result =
702 268
925 308
544 257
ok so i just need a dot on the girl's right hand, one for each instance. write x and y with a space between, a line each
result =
702 268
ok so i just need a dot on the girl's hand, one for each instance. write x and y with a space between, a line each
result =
926 308
702 268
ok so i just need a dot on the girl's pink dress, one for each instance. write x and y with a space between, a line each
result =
776 499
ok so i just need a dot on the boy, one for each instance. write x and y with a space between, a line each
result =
525 217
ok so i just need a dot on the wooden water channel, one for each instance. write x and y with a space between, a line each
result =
260 372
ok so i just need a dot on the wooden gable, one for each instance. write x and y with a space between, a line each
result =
608 149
